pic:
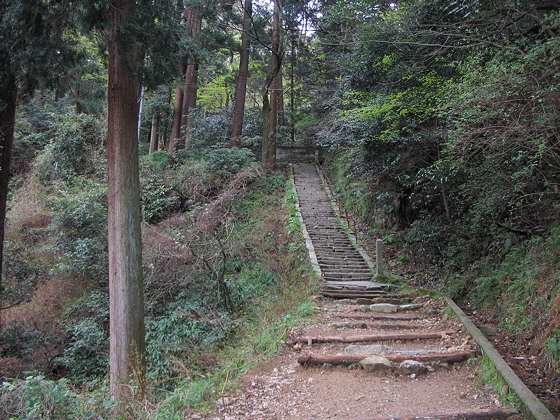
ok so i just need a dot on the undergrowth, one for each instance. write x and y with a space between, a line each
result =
197 347
490 376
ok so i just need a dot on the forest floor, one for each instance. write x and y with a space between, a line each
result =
283 389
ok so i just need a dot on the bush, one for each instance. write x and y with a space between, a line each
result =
19 340
186 329
38 398
227 162
158 200
210 130
159 159
76 137
79 223
86 355
21 275
254 280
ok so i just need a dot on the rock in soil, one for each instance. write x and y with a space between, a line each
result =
412 367
377 365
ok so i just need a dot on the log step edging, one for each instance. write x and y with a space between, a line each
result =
349 359
491 413
375 337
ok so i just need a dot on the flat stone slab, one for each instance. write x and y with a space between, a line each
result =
358 350
385 308
353 284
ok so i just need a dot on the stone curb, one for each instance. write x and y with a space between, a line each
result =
534 407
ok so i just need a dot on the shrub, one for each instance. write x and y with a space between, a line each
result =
79 222
227 162
38 398
21 276
254 280
159 159
185 328
210 130
86 355
19 340
73 144
158 200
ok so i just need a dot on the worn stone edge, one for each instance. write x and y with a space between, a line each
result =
532 404
308 242
355 243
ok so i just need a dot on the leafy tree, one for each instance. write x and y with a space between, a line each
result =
36 40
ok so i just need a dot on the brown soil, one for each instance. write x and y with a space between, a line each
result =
281 389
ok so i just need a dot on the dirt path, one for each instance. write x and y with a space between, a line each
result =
296 384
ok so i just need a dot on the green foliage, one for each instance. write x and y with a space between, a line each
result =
21 275
157 200
208 131
552 349
159 159
36 397
87 355
19 341
227 162
79 223
180 335
76 135
253 280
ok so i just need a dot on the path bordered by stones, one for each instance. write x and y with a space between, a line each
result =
393 356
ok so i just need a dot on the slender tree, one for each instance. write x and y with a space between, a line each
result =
154 133
31 44
127 347
7 121
191 76
177 112
270 116
241 87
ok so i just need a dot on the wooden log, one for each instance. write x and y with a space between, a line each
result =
349 359
380 325
492 413
374 337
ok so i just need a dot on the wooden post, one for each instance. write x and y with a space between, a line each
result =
380 264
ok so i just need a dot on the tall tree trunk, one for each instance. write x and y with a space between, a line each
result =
265 134
292 90
280 86
275 64
189 100
191 79
8 99
140 108
177 113
241 87
126 293
154 134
